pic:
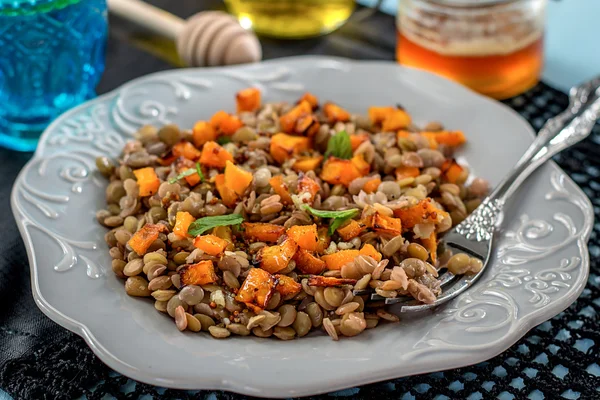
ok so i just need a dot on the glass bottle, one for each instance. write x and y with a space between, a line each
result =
51 60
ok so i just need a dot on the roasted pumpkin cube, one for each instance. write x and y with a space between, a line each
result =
378 114
308 185
236 178
227 194
337 171
350 230
358 139
305 236
187 150
247 100
307 263
372 185
383 224
369 250
214 155
287 121
452 172
363 167
449 138
305 164
287 286
328 281
280 188
310 99
275 258
210 244
324 239
430 244
257 289
183 220
262 232
399 119
225 124
335 113
183 164
307 125
403 172
203 132
201 273
423 212
147 181
340 258
286 146
143 238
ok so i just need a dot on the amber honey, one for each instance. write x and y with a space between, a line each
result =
495 51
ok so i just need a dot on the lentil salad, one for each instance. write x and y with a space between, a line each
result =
265 221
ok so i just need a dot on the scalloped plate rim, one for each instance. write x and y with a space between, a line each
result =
523 324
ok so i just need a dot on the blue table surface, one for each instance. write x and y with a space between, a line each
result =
572 45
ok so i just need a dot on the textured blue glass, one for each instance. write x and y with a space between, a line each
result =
51 59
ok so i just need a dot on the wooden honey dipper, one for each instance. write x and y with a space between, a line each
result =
208 38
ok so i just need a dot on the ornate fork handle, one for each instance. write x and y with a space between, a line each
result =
576 130
558 133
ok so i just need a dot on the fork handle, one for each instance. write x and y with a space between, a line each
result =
558 133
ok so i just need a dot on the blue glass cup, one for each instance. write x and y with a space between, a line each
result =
51 59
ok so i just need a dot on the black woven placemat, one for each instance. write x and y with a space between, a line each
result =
558 359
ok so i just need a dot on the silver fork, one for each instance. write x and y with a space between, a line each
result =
475 234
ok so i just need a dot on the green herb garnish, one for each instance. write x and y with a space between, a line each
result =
336 223
189 172
223 140
338 218
182 175
339 146
201 225
199 171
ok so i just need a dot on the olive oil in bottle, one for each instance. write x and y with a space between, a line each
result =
291 19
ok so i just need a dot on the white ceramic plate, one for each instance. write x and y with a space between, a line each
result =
540 262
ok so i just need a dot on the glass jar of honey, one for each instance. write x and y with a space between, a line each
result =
494 47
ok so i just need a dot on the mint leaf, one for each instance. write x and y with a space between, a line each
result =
199 170
336 223
182 175
351 213
338 218
223 140
201 225
339 146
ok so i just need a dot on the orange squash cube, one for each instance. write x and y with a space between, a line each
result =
203 132
369 250
257 289
305 164
286 146
307 263
350 230
335 113
227 194
328 281
210 244
305 236
187 150
201 273
287 121
338 259
183 220
280 188
143 239
275 258
262 232
236 178
225 123
287 286
247 100
214 155
147 181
